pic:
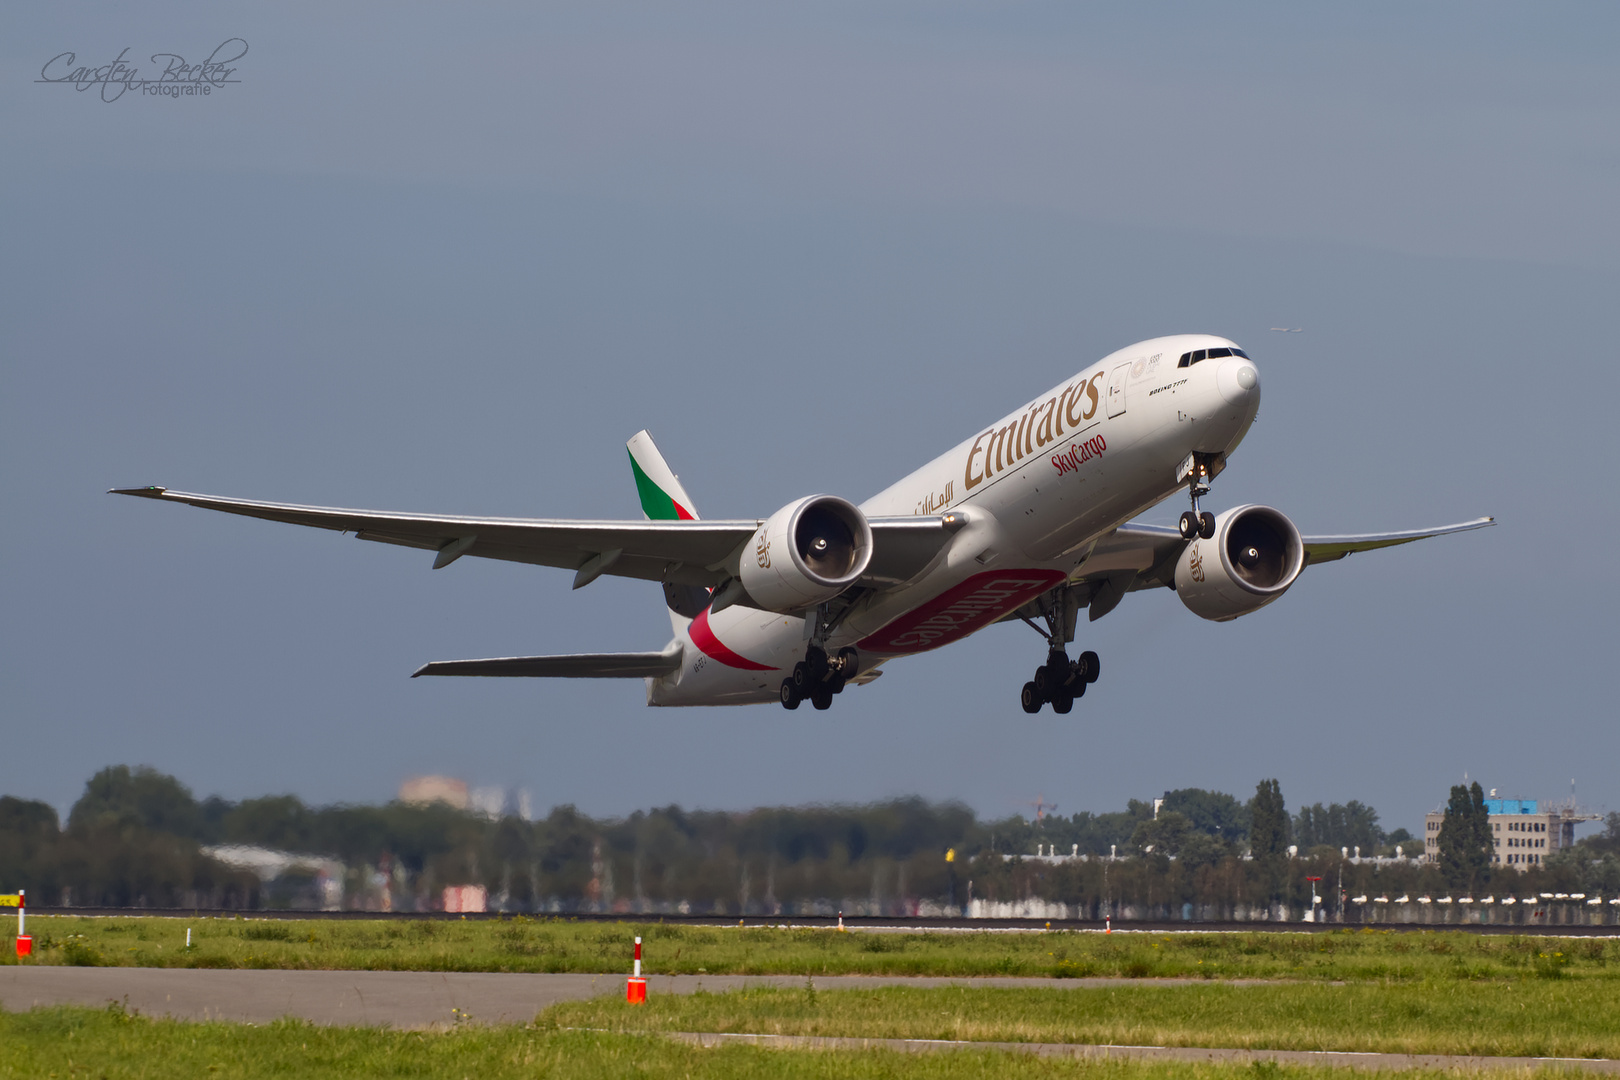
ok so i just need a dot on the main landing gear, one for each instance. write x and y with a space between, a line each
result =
1058 681
1193 523
818 677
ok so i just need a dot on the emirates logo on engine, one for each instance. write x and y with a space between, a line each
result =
762 551
1195 563
959 611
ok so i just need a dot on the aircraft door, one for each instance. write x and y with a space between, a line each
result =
1116 389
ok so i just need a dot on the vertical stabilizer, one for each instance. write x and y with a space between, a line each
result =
663 499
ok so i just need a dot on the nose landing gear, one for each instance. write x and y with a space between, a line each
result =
1194 524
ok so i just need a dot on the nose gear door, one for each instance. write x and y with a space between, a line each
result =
1116 389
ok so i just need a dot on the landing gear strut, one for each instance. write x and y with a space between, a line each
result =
818 676
1195 524
1058 681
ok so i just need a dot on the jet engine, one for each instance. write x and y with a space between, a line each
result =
806 553
1255 554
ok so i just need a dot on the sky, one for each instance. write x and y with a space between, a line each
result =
447 259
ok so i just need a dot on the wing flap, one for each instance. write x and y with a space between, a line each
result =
572 666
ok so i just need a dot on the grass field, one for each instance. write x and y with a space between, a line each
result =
64 1042
521 944
1499 1019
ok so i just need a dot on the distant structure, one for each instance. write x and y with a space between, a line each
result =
491 802
1523 831
432 789
305 880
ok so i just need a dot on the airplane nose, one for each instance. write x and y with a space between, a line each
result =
1238 380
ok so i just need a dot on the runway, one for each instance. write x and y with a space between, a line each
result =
400 999
418 1000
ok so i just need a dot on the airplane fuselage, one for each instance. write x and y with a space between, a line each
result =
1036 491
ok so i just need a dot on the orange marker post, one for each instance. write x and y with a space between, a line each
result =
635 991
25 944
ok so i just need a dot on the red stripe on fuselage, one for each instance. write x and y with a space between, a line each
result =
959 611
703 637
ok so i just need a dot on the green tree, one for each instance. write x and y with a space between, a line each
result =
1268 821
25 817
1347 825
1464 843
1164 835
1212 812
141 796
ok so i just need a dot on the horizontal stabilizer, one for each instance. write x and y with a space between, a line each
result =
635 665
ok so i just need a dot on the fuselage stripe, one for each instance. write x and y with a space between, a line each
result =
703 637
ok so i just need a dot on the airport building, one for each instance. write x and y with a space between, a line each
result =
1524 832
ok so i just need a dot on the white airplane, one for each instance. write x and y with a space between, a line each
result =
1028 519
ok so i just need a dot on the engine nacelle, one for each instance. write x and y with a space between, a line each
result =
806 553
1255 554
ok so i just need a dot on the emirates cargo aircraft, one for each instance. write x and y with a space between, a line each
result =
1027 519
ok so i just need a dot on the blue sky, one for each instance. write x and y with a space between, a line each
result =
448 260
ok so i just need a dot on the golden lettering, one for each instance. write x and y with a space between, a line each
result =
1044 434
1091 393
1010 444
969 481
1074 399
998 440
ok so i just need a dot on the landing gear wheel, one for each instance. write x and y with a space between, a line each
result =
1189 525
801 678
1088 666
821 697
1030 698
1206 525
1052 676
790 695
1065 701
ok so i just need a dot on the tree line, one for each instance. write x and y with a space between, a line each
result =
137 837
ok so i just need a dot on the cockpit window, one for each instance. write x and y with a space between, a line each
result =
1188 359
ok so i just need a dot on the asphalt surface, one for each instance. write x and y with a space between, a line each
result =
437 1000
401 999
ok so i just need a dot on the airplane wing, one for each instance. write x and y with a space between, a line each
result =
699 553
1137 556
575 666
1321 549
1150 550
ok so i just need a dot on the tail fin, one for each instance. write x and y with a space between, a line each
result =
663 499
